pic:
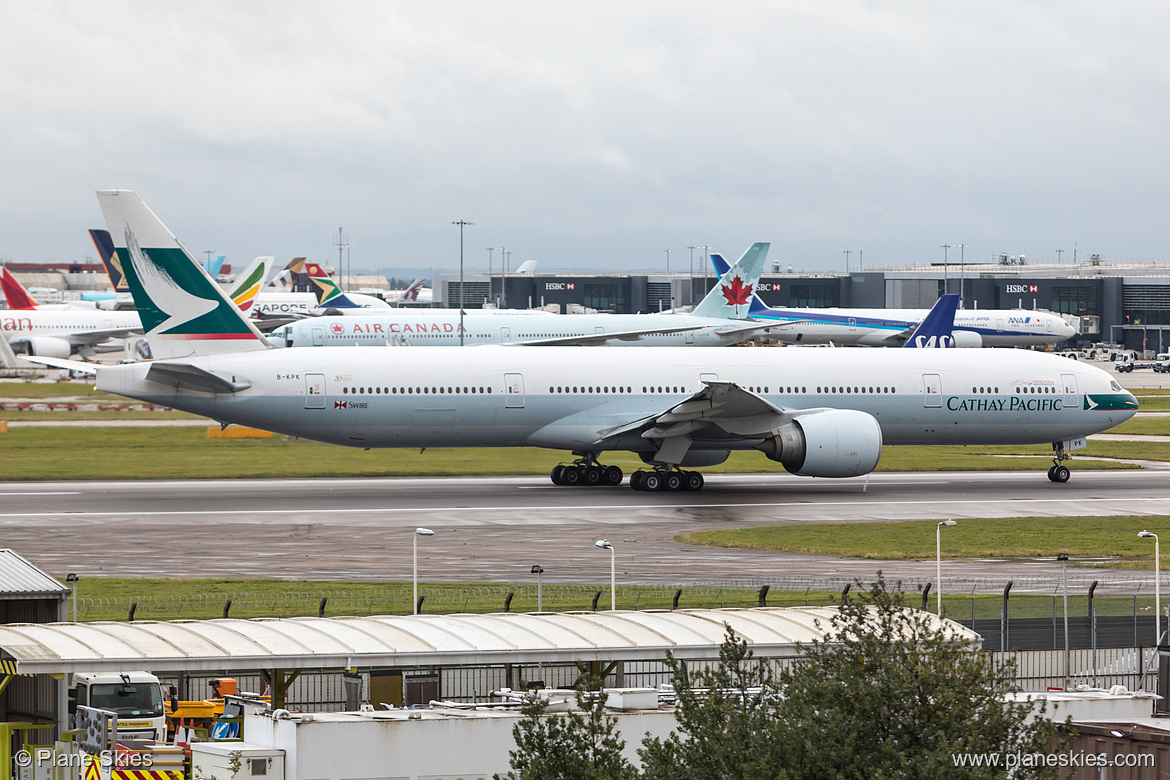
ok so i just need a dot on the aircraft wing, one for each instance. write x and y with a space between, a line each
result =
602 338
721 410
84 338
71 365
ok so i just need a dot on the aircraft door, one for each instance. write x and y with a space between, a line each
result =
931 390
513 390
506 337
999 324
852 324
314 391
1071 391
318 337
690 337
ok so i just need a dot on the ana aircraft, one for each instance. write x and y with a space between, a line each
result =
716 321
818 412
892 327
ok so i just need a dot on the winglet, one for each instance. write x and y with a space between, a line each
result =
184 312
937 327
731 297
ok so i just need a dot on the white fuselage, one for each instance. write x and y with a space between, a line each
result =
563 398
440 327
875 327
72 328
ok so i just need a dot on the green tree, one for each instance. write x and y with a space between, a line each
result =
582 744
888 693
726 727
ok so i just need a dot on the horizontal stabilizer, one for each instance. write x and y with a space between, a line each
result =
71 365
193 378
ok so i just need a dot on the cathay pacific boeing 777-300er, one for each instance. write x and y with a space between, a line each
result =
817 412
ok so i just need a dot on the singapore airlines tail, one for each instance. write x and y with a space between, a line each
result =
184 312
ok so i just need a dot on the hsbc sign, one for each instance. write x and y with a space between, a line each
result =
765 287
1021 288
559 286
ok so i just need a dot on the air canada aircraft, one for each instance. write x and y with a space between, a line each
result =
893 327
718 320
817 412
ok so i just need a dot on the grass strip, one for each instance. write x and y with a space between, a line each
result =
1108 540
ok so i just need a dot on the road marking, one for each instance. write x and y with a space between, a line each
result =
803 504
46 493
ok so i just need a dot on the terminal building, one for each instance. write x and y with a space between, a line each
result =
1122 303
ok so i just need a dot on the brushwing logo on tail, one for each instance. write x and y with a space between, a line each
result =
173 305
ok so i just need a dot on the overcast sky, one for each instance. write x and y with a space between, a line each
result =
591 135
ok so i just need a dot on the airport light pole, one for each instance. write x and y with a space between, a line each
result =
668 251
72 579
414 569
538 570
1063 558
1157 585
692 276
1059 252
847 253
938 560
946 281
605 545
962 270
462 224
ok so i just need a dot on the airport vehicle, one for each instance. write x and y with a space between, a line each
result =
818 412
891 327
716 321
136 697
1127 362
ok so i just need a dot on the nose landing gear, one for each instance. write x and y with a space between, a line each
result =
1059 472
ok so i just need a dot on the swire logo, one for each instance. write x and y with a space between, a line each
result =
339 404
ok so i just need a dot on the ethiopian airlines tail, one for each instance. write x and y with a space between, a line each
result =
937 328
249 284
184 312
731 298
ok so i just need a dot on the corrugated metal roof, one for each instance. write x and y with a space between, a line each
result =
420 640
20 579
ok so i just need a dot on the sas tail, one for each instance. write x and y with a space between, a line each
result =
183 311
14 292
732 297
937 327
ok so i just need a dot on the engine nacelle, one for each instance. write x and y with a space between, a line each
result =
47 346
694 459
966 339
834 443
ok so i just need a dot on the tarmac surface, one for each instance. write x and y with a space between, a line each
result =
492 529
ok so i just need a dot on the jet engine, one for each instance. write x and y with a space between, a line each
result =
833 443
966 339
47 346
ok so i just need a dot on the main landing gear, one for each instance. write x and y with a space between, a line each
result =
1059 472
666 479
587 472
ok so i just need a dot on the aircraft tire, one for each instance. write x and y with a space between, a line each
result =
555 474
636 480
612 476
1061 474
672 481
593 475
571 476
652 481
1051 469
693 481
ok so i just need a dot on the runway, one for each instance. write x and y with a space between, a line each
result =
493 529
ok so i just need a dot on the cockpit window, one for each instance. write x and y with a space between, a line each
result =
1114 385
